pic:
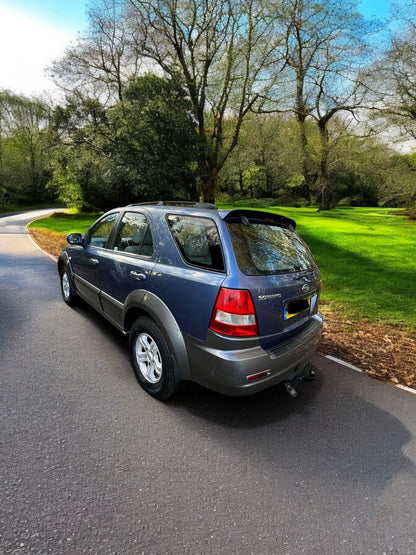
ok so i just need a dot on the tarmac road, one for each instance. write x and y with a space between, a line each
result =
92 464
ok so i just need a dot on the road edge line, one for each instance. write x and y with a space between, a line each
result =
405 388
343 363
356 369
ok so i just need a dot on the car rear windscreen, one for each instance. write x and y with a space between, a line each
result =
266 248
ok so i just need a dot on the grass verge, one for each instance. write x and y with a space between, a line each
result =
65 222
50 232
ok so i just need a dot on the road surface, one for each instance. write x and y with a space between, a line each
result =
92 464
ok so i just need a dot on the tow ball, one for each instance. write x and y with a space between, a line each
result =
292 384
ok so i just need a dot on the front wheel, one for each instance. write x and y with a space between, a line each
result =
68 293
152 360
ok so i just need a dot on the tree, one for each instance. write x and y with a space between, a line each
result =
154 144
223 51
358 168
363 171
26 146
325 51
99 64
142 148
396 99
269 150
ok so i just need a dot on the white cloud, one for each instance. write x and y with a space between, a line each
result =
27 47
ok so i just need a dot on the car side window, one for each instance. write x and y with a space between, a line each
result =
99 234
134 235
198 241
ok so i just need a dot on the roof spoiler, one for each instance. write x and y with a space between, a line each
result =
258 216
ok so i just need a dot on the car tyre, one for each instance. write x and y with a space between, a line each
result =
67 289
151 359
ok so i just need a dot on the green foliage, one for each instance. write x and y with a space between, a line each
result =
154 146
3 192
254 180
79 178
361 172
66 186
142 148
26 144
266 162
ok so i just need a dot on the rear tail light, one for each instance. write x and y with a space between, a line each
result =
234 313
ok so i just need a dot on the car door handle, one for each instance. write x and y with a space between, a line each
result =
138 275
94 261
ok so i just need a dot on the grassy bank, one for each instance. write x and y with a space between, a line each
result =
65 222
367 257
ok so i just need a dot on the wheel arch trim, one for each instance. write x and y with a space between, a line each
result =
144 303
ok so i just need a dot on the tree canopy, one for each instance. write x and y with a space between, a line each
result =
191 98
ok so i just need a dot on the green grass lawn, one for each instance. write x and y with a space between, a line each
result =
66 222
367 258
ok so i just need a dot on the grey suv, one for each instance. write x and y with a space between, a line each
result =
225 298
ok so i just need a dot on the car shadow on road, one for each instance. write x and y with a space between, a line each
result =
332 431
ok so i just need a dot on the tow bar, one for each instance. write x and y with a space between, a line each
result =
292 384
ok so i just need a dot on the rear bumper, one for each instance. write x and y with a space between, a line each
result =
227 370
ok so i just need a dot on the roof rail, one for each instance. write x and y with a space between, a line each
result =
184 203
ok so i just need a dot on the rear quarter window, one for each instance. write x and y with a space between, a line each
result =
264 249
198 241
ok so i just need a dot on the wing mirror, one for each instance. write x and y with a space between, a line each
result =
74 239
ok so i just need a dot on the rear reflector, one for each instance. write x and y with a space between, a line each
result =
234 313
257 376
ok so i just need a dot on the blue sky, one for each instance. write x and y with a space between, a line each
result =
378 8
66 14
35 32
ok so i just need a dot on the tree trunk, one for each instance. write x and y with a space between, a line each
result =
307 184
208 187
326 195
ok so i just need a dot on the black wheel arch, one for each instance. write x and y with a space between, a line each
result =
142 303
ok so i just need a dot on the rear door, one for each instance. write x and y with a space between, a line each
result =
278 269
190 273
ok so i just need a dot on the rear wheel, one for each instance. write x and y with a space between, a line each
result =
68 293
152 360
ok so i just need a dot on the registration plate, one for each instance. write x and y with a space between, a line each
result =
293 308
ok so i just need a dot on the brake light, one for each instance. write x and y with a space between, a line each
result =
234 313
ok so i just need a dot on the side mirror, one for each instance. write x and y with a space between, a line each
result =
74 239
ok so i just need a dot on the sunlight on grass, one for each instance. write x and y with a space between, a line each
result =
66 222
